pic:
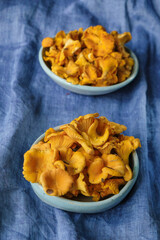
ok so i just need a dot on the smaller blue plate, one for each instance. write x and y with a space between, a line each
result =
88 90
84 204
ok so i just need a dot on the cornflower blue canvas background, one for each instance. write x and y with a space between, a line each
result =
30 103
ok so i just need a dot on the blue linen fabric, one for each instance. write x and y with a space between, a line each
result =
30 103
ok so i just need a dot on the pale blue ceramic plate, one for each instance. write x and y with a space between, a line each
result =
88 90
85 204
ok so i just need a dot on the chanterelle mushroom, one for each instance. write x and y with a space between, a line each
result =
97 39
114 162
77 163
113 185
82 186
36 162
97 171
114 128
125 147
83 123
95 138
72 133
56 182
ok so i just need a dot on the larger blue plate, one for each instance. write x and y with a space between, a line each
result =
85 204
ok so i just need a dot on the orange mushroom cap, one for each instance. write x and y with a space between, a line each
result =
41 146
95 138
56 182
73 134
83 123
82 186
114 128
97 171
114 162
76 163
48 133
125 147
99 40
36 162
113 185
60 141
128 173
